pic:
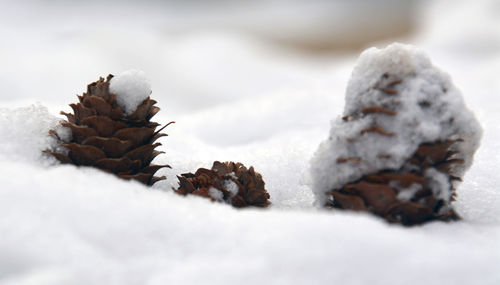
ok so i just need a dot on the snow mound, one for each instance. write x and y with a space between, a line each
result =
416 103
131 88
24 133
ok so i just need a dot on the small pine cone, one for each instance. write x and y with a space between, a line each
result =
230 182
106 137
403 144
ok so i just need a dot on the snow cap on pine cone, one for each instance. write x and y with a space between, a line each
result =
131 87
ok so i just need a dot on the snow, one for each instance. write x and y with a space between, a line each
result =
124 234
131 87
216 194
24 133
439 184
428 108
231 186
405 194
66 225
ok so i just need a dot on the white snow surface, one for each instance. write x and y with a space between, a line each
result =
131 88
60 224
428 109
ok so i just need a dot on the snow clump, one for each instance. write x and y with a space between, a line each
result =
416 103
131 88
232 187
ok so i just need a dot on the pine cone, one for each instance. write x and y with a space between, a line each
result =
403 144
105 137
229 182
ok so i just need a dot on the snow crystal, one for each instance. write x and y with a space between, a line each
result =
405 194
231 186
439 184
131 88
24 132
429 108
64 133
216 194
233 175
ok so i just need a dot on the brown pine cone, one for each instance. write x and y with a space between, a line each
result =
229 182
403 143
106 137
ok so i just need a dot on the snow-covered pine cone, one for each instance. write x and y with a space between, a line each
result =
403 144
111 130
227 182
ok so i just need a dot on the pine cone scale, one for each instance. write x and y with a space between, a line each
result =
80 133
142 111
409 213
377 196
113 147
118 165
138 136
104 126
143 153
153 168
84 154
154 111
348 202
81 112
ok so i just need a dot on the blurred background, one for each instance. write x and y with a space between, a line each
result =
201 53
234 72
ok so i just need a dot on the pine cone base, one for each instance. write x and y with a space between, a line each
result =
404 196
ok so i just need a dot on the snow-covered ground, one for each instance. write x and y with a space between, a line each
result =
233 98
